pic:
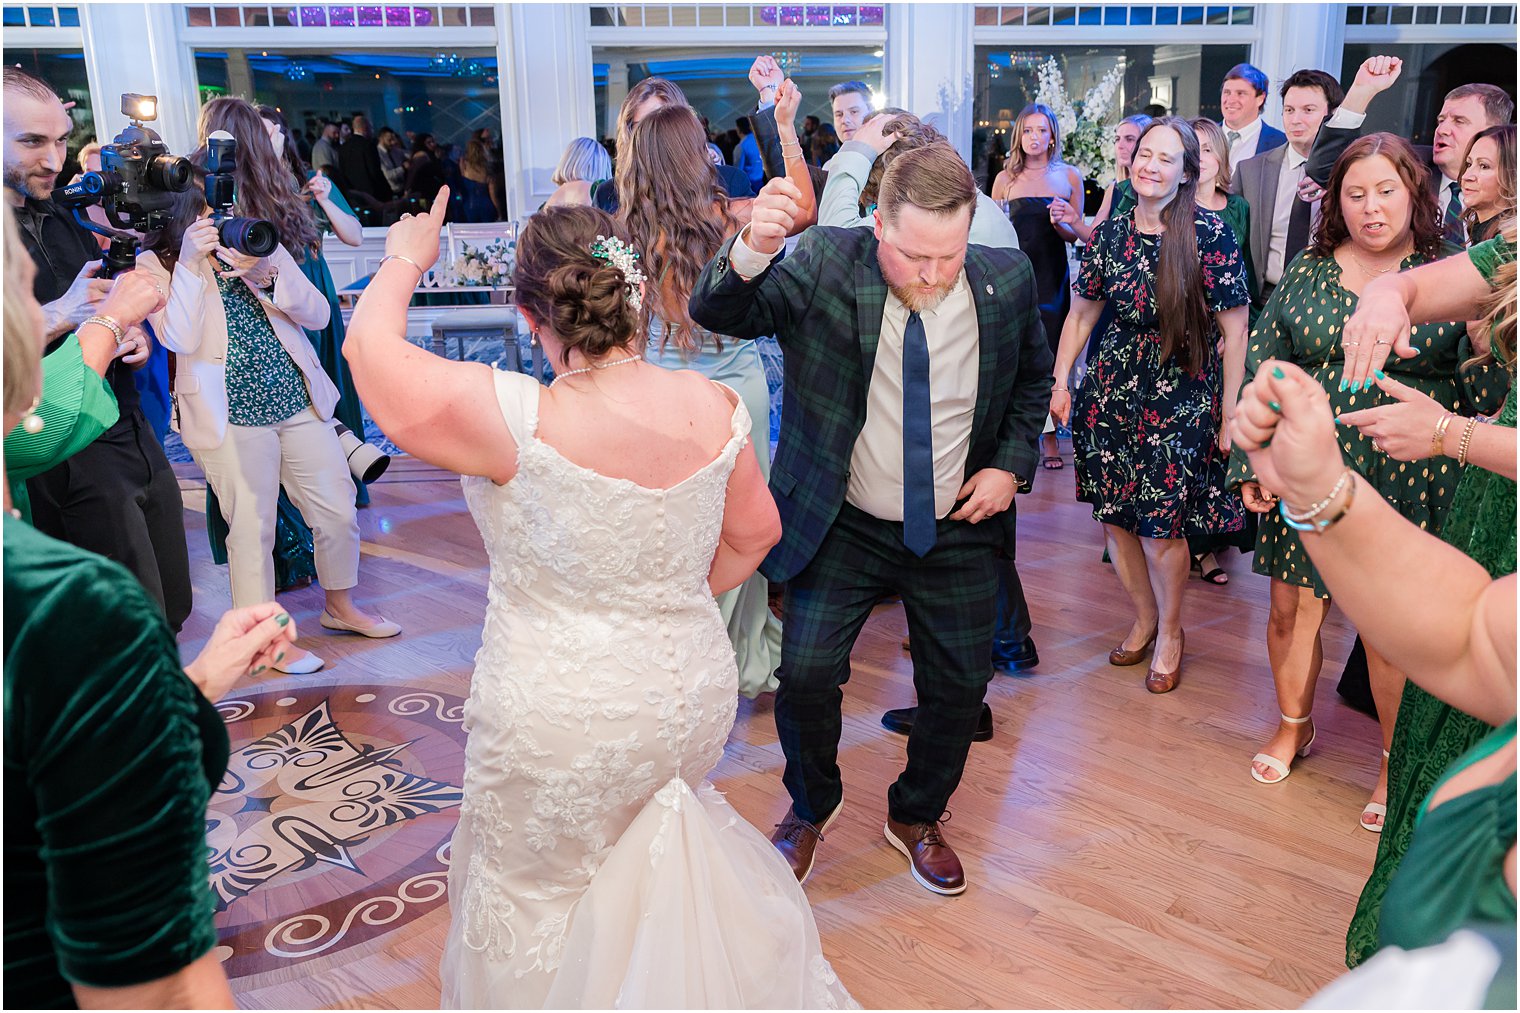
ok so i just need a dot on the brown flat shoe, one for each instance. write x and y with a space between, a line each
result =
1165 682
934 864
907 646
1124 659
797 840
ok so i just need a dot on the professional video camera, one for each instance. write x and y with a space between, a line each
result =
136 184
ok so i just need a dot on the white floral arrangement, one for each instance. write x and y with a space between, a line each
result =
489 265
1088 127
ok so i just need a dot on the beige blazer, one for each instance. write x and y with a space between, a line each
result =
193 325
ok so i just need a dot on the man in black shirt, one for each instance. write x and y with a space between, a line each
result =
118 497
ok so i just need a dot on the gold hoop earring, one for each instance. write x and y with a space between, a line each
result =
31 421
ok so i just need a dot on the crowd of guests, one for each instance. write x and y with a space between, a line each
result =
1296 343
384 174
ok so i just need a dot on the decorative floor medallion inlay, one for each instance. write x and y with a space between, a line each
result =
331 827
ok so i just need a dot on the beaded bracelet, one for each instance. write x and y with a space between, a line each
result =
110 324
1318 508
1438 438
1466 440
1309 522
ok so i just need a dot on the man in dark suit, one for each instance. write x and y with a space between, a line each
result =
359 169
1242 98
1467 110
917 378
1280 222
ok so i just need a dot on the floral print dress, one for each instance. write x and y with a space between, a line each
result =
1146 436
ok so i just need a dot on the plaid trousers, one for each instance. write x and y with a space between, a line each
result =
950 596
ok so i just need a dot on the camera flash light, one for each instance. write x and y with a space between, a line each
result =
140 107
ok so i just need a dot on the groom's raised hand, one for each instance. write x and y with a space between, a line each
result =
987 493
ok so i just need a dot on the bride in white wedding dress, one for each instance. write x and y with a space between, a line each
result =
594 866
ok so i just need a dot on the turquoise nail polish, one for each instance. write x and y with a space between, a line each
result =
1275 407
1343 384
283 619
1341 422
1380 374
1278 373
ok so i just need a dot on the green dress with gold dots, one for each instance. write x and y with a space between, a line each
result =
1301 323
1431 735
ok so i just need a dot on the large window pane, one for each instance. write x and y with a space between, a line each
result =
1182 79
1410 107
717 85
64 69
449 95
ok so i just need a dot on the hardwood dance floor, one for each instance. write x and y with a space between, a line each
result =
1118 852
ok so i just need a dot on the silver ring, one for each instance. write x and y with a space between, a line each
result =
1376 446
1382 342
1350 344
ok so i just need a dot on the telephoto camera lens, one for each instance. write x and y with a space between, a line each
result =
252 236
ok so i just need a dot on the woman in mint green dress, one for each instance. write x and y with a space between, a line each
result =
678 220
1430 735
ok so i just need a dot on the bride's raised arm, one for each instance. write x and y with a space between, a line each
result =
435 409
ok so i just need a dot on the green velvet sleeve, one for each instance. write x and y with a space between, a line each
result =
77 406
115 746
1490 256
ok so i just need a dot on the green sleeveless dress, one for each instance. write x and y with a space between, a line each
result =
1431 735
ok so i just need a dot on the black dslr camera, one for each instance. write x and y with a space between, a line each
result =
137 183
253 236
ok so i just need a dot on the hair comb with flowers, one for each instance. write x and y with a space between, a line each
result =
626 259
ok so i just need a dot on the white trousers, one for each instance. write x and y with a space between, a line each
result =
246 472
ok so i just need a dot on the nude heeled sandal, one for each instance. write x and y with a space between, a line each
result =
1374 809
1273 763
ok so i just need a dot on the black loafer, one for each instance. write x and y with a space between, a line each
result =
901 722
1018 659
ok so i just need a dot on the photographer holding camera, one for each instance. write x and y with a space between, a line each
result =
118 496
253 405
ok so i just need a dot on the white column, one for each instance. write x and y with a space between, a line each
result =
617 91
929 66
239 75
547 94
136 48
1297 37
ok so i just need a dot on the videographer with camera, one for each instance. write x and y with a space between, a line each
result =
253 404
118 496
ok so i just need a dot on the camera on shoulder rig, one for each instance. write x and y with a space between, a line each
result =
137 183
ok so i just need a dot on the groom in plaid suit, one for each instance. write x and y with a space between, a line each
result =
917 378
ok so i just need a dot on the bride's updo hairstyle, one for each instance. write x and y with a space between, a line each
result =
586 302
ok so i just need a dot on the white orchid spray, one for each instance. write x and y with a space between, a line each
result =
1087 131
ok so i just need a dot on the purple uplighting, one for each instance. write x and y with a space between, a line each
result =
794 16
368 16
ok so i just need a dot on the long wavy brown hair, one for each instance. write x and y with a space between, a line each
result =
266 187
675 210
1187 329
1424 214
1499 310
290 154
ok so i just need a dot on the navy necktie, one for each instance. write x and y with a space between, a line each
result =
918 441
1451 223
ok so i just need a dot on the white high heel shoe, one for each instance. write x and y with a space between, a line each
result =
1378 809
1273 763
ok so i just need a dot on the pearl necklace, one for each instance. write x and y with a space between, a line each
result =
603 365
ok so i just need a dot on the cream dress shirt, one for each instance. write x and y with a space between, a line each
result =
876 463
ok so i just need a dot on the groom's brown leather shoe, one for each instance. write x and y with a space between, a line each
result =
797 839
934 864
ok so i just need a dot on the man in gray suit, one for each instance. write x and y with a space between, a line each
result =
1280 222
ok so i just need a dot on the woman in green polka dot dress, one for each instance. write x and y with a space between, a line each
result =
1377 216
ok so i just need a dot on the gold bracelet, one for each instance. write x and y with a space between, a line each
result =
1466 439
1438 438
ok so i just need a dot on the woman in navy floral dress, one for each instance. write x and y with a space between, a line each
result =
1151 448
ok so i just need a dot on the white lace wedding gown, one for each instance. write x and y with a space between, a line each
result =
594 866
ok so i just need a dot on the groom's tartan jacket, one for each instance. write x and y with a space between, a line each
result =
824 303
